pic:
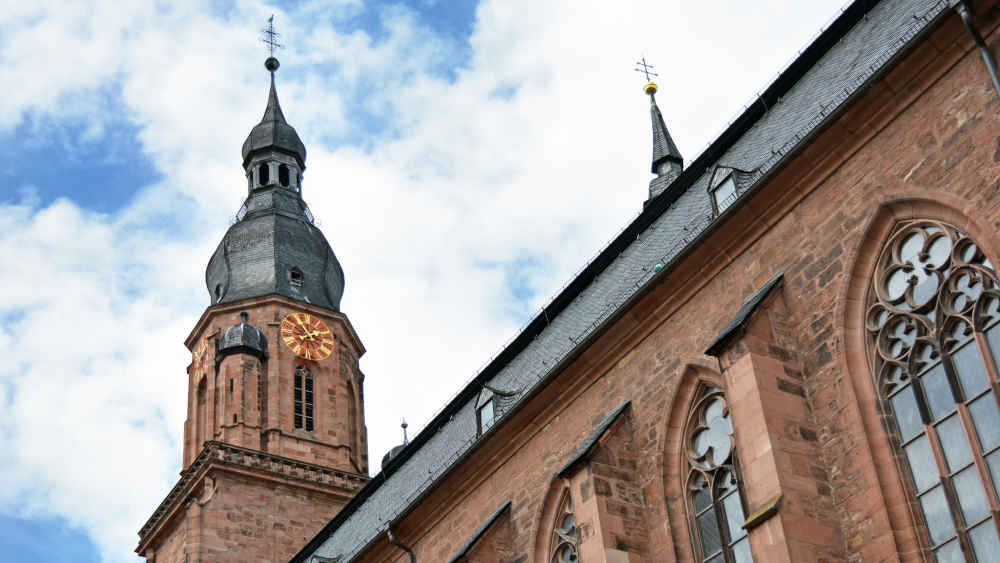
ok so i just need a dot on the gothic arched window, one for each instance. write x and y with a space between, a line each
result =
934 346
303 398
713 493
565 535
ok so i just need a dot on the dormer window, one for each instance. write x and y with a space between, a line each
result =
283 175
724 194
486 416
295 277
263 175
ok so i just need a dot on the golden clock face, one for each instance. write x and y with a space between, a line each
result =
307 336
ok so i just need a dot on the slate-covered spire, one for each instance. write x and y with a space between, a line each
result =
274 247
273 132
667 161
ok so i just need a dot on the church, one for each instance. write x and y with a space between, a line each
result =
792 354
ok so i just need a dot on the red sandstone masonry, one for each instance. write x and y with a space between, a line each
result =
928 133
251 513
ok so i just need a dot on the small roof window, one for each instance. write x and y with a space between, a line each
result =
724 194
487 416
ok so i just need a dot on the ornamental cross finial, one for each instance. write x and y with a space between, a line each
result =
270 37
646 69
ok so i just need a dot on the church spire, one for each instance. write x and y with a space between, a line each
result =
274 247
667 162
273 133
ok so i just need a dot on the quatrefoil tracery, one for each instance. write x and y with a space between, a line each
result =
710 430
932 286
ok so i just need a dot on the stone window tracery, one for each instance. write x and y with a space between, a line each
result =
715 504
934 346
565 534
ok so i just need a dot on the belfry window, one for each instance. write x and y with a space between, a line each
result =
933 328
303 399
715 504
295 276
283 175
263 175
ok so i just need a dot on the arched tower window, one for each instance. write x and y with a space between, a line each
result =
565 535
715 504
303 399
263 174
934 346
283 175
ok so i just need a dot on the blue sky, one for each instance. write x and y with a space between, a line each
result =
465 159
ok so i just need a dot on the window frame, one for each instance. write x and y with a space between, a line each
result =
914 341
480 424
303 399
705 396
729 179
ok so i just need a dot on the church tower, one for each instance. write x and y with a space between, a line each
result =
275 441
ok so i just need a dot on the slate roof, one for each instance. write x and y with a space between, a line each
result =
664 148
274 234
839 63
273 132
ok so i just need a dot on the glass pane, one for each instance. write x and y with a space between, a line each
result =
969 489
951 553
925 471
708 529
716 559
904 404
699 494
939 251
486 416
937 515
985 542
970 370
724 193
734 516
954 443
741 552
986 418
938 392
714 411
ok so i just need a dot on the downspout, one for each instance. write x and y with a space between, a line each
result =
395 542
963 9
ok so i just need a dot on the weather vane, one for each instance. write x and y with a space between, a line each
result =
270 37
645 69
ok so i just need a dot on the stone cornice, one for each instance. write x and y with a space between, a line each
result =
323 312
219 454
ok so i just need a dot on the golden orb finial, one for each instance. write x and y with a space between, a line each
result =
649 88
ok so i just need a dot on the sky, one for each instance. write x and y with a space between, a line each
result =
465 160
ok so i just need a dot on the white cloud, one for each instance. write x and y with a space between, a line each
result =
432 213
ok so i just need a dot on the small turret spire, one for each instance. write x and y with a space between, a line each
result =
667 162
